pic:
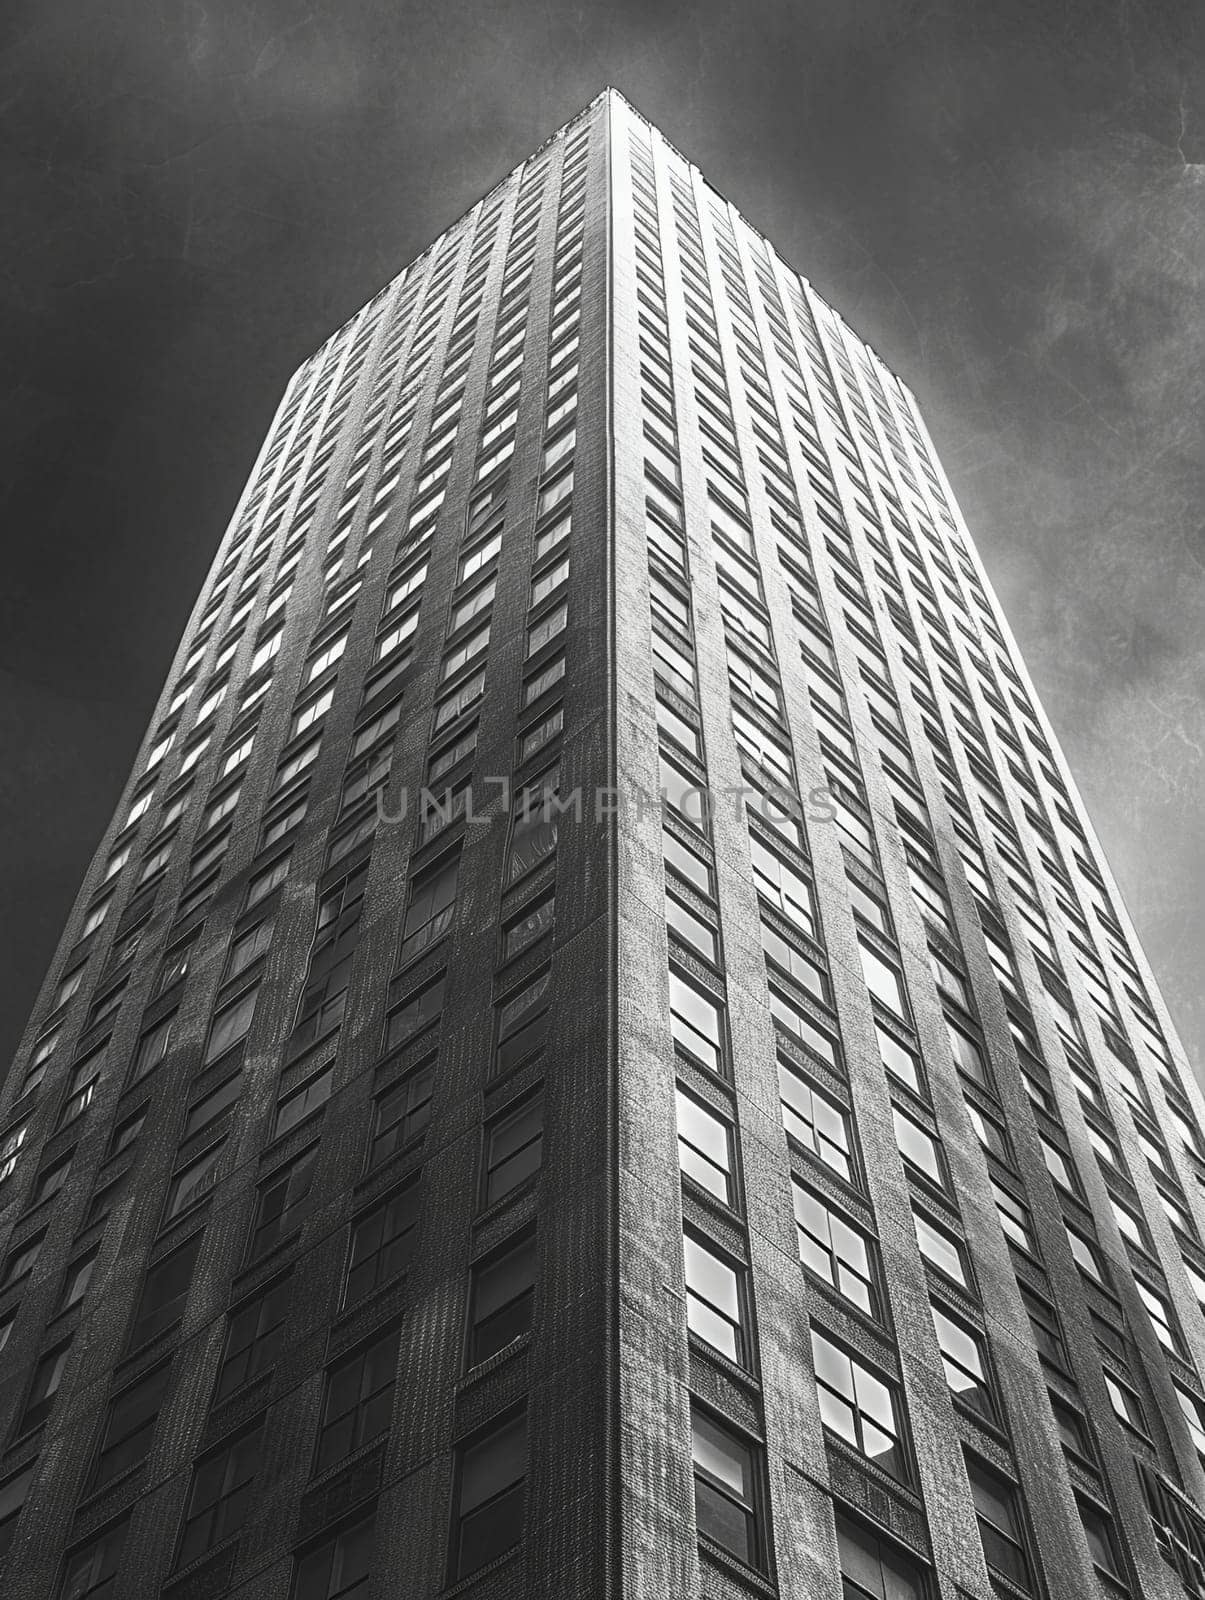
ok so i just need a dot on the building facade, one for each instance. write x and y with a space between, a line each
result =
600 1055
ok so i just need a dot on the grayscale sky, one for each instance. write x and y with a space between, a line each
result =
1006 199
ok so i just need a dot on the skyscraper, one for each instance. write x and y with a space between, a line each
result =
600 1055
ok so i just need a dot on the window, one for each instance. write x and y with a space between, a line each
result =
696 1023
129 1425
704 1147
20 1260
898 1059
1193 1410
358 1402
815 1121
164 1293
789 1014
1160 1313
883 980
151 1048
871 1569
714 1308
204 1112
513 1148
1102 1546
296 1106
174 968
12 1500
533 923
523 1022
382 1241
220 1500
401 1113
90 1573
339 1567
75 1287
283 1202
681 793
1087 1258
501 1298
432 904
963 1358
949 980
1126 1405
254 1336
192 1182
858 1405
491 1489
264 882
47 1376
230 1025
834 1249
968 1057
726 1487
1014 1218
692 930
416 1013
10 1150
998 1512
918 1148
1072 1428
941 1249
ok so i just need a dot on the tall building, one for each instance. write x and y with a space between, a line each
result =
600 1055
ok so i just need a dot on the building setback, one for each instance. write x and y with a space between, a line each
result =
600 1055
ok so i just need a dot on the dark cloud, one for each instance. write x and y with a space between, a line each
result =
1006 199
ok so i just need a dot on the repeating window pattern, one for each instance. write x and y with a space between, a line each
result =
796 423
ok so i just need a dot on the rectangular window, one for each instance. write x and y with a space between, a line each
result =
783 887
918 1148
220 1498
339 1567
282 1202
12 1500
382 1242
941 1249
883 980
416 1013
523 1022
491 1491
151 1048
696 1023
401 1114
358 1403
834 1249
872 1569
90 1573
726 1475
704 1147
691 929
192 1183
230 1025
164 1293
501 1298
513 1148
1014 1218
714 1299
248 947
47 1377
254 1336
998 1513
964 1361
130 1424
431 908
859 1406
815 1121
297 1105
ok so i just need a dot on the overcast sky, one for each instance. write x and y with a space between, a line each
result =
1007 200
